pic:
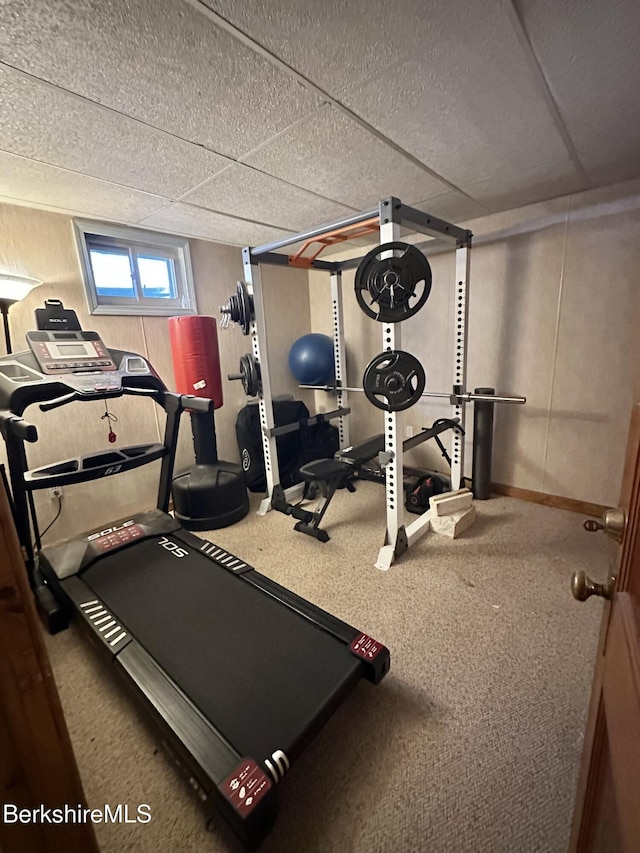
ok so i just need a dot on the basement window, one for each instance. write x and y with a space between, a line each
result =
130 271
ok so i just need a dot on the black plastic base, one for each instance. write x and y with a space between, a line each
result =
208 497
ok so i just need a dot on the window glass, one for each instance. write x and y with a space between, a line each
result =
156 277
112 273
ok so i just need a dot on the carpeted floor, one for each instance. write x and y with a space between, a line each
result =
471 743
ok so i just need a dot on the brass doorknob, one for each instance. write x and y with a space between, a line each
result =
613 523
583 587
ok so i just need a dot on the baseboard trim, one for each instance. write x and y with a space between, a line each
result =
556 501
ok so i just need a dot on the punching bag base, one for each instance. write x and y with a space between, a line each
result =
208 497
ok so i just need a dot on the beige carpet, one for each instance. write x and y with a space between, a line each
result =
471 743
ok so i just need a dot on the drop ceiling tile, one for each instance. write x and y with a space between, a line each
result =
448 82
507 191
475 120
332 155
160 61
180 218
242 191
452 207
589 54
95 141
335 44
29 181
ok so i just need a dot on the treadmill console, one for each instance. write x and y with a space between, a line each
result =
66 352
63 360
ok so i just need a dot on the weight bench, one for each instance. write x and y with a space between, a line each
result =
329 475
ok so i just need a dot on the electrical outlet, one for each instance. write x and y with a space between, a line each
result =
55 492
409 431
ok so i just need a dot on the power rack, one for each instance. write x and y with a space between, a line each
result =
388 219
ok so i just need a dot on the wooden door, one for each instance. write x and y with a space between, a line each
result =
37 764
607 817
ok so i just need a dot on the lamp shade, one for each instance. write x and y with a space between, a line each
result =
13 288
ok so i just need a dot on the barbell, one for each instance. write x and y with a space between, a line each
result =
460 397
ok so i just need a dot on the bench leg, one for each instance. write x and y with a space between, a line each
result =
312 530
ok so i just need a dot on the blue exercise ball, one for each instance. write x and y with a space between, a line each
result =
311 360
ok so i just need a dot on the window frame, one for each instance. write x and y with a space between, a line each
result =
136 242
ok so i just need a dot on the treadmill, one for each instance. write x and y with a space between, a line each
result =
236 672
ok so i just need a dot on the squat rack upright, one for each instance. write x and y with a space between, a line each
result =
388 218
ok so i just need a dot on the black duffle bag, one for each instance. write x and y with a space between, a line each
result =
319 441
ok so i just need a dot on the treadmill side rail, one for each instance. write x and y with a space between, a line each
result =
96 617
213 552
202 753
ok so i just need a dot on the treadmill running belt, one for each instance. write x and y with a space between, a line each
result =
262 674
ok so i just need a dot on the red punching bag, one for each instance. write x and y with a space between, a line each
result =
212 493
196 360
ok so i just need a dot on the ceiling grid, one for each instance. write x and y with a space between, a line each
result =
242 122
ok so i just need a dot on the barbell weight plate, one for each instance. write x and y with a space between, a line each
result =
239 309
250 370
391 289
252 385
394 381
246 308
249 375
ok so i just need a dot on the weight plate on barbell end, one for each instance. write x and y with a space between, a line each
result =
249 375
239 309
394 380
391 289
251 379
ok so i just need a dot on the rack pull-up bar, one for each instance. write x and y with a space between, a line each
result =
466 396
315 232
330 238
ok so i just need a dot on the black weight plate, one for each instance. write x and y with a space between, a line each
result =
250 370
394 381
249 375
391 289
239 309
244 308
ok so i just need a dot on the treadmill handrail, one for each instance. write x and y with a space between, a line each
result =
59 401
195 404
78 395
11 424
186 401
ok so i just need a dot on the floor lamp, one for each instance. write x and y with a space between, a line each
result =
13 288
